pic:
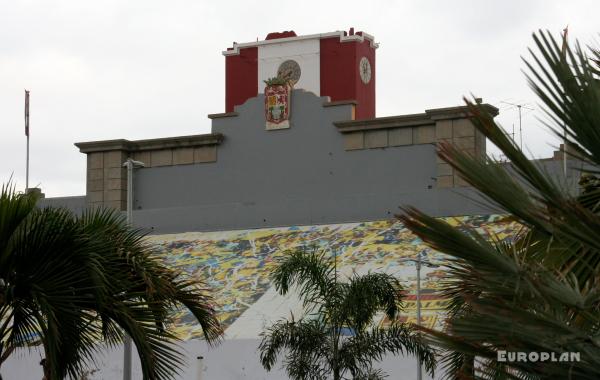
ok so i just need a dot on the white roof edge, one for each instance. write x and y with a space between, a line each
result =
340 33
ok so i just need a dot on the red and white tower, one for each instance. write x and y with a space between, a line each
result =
339 64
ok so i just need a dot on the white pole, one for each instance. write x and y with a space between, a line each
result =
27 134
520 127
27 167
127 342
200 368
419 374
130 165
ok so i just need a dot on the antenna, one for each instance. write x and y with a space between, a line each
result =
519 106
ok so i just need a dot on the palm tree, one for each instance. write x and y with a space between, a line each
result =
316 345
70 283
539 292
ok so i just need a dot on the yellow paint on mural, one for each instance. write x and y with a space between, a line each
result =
236 265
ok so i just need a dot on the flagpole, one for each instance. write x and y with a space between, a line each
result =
564 56
27 134
27 168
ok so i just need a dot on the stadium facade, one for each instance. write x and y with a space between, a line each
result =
298 166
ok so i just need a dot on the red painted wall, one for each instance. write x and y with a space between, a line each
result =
241 77
365 93
340 76
337 69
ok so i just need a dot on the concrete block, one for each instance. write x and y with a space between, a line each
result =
439 160
116 184
95 185
463 143
400 136
480 144
459 181
205 154
469 151
462 128
115 173
143 157
444 169
443 129
95 160
163 157
354 140
376 139
119 205
445 181
96 205
183 156
424 134
114 159
445 141
115 195
94 174
95 196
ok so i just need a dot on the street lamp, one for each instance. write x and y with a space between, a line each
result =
418 262
130 165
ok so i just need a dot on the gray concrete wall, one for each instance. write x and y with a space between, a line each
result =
304 175
297 176
76 204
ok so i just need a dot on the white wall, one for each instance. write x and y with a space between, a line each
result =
232 360
305 52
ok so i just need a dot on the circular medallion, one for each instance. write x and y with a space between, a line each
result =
364 67
290 71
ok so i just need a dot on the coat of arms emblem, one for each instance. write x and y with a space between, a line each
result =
277 104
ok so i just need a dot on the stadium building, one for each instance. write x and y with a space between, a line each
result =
285 167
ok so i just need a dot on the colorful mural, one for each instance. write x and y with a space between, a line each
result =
237 265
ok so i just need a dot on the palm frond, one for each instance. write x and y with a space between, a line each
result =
306 337
366 295
358 352
310 272
71 282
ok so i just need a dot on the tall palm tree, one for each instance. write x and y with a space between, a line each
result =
70 283
336 336
541 291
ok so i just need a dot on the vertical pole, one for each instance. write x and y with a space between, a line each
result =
520 127
200 368
27 134
563 52
27 167
419 374
127 341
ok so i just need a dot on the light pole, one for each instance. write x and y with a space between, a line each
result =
418 262
200 368
130 165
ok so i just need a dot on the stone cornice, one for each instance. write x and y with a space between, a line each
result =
384 123
340 103
221 115
429 117
459 112
150 144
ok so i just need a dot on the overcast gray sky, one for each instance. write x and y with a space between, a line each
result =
146 69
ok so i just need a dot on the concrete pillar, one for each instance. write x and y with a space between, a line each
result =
106 179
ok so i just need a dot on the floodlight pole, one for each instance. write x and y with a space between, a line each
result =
130 165
200 368
418 265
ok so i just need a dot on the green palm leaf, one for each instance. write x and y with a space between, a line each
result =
73 283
